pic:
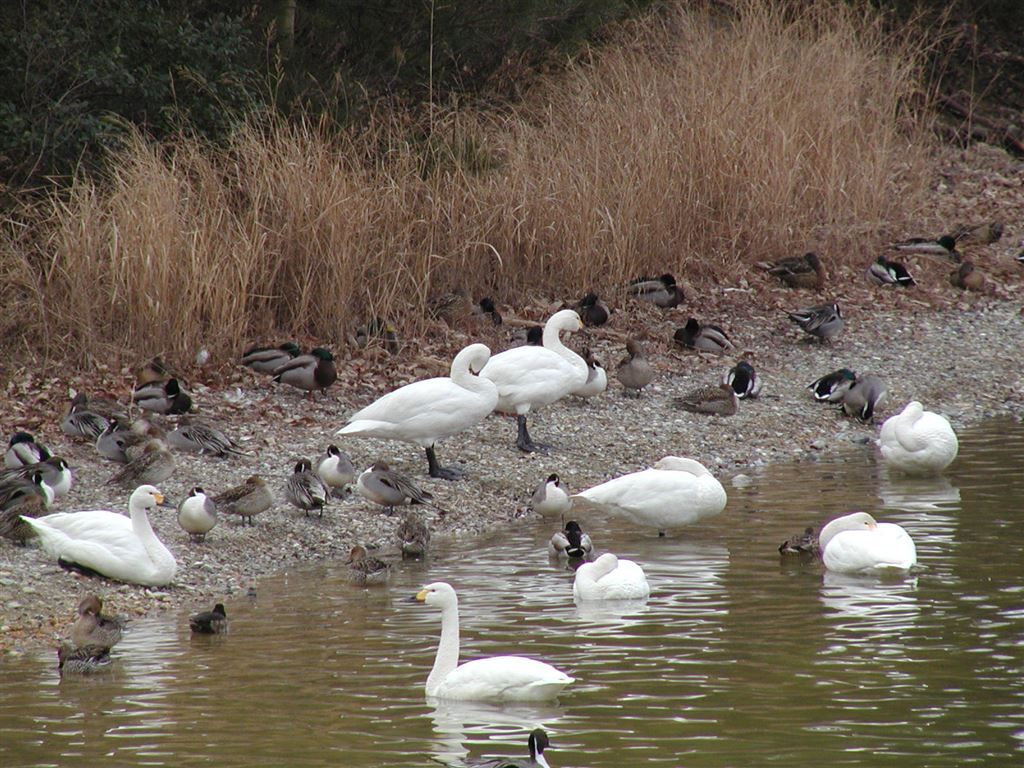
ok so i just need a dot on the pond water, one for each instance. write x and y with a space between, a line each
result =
736 659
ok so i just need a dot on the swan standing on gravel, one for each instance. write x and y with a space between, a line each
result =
609 578
494 678
675 492
855 543
917 441
529 377
427 411
115 546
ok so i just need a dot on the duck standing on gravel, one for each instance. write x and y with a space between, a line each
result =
549 497
312 372
197 514
389 488
305 489
633 371
246 500
336 470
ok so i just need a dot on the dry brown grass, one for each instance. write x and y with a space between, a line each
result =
691 144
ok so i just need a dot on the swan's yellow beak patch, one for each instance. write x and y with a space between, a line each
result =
421 596
159 498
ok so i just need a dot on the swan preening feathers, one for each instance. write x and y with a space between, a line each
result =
917 441
609 578
855 543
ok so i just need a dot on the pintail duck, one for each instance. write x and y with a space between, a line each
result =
305 489
633 371
55 472
90 417
805 271
82 661
212 622
968 277
197 514
413 535
383 485
981 234
94 628
592 310
744 380
886 272
312 372
336 470
164 396
550 498
862 398
364 569
944 247
112 441
268 359
597 379
704 337
154 465
832 386
824 321
802 544
537 742
662 291
23 450
246 500
570 542
200 436
718 400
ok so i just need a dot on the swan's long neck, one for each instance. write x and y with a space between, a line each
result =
461 375
159 555
554 343
447 658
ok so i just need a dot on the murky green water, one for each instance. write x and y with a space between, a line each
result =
736 660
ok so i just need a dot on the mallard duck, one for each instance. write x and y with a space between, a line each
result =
154 370
536 743
805 271
486 308
662 291
23 449
413 535
529 377
154 465
610 578
981 234
592 311
495 678
336 470
633 371
713 399
109 543
305 489
427 411
571 541
675 492
802 544
364 569
944 247
380 330
192 434
246 500
383 485
197 514
597 379
855 543
704 337
863 397
55 472
832 386
824 321
550 498
744 380
967 277
164 396
94 628
82 661
886 272
315 371
268 359
212 622
917 441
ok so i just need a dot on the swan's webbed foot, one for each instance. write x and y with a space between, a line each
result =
443 473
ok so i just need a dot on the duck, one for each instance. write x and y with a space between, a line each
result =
967 277
433 409
18 502
823 321
529 377
944 247
197 514
379 329
17 486
597 379
713 399
312 372
105 407
23 450
83 423
675 492
743 380
570 542
703 337
982 234
494 678
592 311
886 272
305 489
269 359
549 497
661 291
390 488
246 500
212 622
86 660
863 397
832 386
918 442
55 474
363 569
154 465
163 396
633 371
413 535
855 543
336 470
112 441
536 743
93 628
487 308
110 544
802 544
199 436
610 578
805 271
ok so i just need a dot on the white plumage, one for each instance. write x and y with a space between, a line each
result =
495 678
855 543
917 441
609 578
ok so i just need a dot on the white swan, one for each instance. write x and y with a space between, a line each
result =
529 377
609 578
855 543
427 411
495 678
675 492
115 546
917 441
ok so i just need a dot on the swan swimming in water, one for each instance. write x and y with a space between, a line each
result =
917 441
